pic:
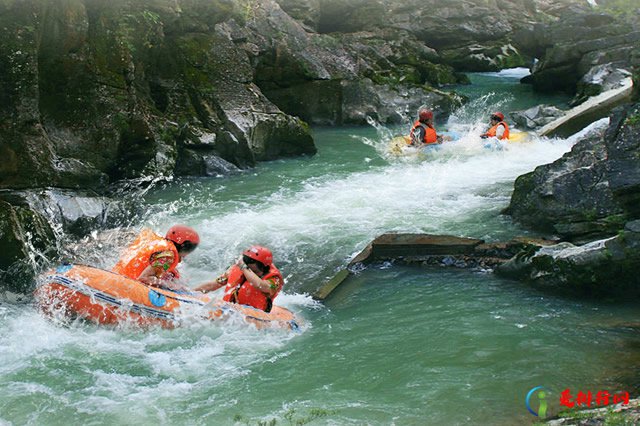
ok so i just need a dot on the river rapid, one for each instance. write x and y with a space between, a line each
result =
394 345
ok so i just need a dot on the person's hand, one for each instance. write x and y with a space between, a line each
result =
484 137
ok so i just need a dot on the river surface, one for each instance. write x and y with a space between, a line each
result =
394 345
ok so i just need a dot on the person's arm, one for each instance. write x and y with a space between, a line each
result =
500 131
212 285
268 287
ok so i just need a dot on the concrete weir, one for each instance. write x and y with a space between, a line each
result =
426 249
591 110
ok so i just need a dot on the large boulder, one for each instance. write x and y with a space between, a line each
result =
568 197
590 191
623 165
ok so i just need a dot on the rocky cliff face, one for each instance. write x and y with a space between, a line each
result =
576 43
97 92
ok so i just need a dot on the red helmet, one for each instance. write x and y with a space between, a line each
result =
259 253
181 234
425 114
498 115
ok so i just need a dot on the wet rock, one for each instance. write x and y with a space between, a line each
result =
600 268
306 11
343 78
576 43
196 163
599 79
624 414
484 57
71 212
27 241
536 117
589 192
623 151
570 197
98 92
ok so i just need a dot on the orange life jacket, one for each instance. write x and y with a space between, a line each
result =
137 256
239 290
430 135
494 130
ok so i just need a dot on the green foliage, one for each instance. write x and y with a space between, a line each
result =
249 11
139 29
633 120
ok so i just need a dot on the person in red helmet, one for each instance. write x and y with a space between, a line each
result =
499 128
153 259
253 280
423 132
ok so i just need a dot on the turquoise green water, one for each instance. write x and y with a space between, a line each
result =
395 345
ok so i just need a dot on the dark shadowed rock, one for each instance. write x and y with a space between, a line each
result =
27 242
576 43
71 212
97 92
624 160
570 197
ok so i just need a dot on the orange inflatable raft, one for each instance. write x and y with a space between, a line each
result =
104 297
